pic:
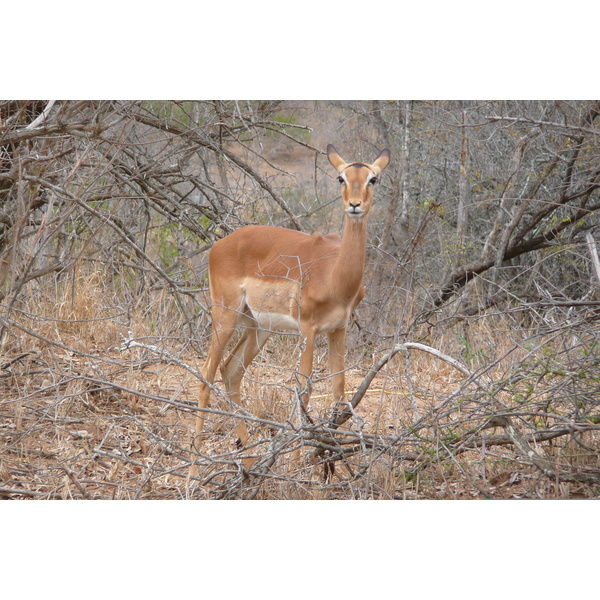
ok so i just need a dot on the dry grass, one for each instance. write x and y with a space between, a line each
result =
80 418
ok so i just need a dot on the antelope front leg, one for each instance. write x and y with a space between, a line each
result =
337 359
337 354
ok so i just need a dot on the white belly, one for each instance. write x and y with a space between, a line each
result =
275 321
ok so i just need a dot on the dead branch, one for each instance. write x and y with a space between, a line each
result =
591 244
553 472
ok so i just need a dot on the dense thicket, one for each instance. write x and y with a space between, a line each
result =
482 245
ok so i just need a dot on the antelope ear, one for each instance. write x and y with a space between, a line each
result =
335 159
382 161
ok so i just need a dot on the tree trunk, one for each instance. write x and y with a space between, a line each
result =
463 190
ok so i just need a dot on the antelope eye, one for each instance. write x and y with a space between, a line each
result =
341 179
373 180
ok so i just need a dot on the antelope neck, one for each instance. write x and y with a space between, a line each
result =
350 264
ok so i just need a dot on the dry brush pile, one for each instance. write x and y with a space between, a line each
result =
472 378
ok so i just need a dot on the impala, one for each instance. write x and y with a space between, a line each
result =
265 278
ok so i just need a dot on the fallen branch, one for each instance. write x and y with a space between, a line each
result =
344 410
469 442
546 467
338 418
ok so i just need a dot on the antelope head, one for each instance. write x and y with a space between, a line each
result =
357 180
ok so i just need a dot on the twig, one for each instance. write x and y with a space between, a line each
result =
8 492
74 479
129 343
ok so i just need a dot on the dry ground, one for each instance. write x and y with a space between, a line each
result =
82 417
111 424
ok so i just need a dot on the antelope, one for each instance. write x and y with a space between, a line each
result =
264 278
